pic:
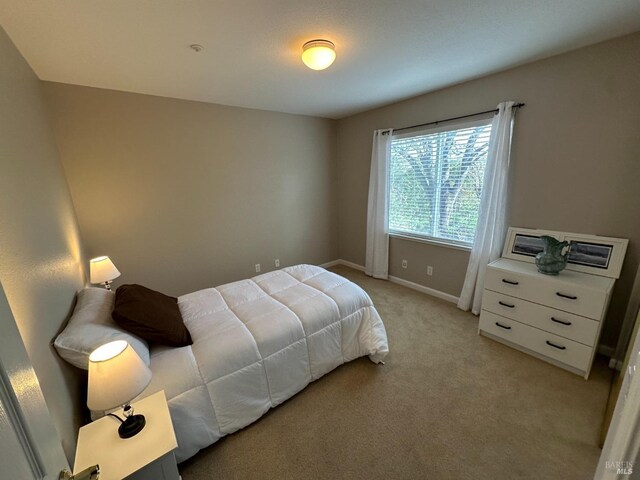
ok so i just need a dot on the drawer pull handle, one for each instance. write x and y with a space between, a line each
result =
506 304
570 297
559 347
510 282
506 327
562 322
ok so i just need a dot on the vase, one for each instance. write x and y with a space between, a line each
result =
553 259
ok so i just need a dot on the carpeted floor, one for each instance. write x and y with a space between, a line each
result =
448 404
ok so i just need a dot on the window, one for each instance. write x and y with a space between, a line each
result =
436 179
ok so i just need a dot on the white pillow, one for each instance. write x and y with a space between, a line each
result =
91 326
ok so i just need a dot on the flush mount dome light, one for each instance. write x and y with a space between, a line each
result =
318 54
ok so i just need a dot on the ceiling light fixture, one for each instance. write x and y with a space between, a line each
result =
318 54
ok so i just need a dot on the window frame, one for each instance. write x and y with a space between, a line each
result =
416 236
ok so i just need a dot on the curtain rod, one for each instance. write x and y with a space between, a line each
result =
495 110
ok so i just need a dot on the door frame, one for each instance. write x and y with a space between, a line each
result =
24 402
622 445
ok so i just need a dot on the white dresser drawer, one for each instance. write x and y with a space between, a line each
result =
548 290
558 348
567 325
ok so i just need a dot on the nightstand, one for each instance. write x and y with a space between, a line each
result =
148 455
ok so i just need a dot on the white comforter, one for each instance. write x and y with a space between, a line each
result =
258 342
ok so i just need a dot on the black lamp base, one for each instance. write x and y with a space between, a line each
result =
131 426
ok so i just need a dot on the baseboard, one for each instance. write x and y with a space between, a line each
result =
346 263
398 280
349 264
421 288
607 351
615 364
330 264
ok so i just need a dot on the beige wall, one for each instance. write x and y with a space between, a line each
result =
575 158
185 195
448 270
40 257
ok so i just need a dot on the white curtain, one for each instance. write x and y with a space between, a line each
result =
377 258
491 229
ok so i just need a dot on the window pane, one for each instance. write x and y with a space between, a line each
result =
436 183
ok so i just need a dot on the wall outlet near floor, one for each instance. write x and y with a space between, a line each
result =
429 270
277 262
257 268
404 264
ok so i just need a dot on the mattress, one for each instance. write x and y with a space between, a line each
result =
256 343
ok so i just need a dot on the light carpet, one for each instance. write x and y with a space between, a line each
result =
448 404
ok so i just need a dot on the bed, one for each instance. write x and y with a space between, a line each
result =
256 343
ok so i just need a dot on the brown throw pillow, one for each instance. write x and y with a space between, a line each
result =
150 315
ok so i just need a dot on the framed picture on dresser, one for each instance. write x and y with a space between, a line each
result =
524 243
528 245
595 254
587 253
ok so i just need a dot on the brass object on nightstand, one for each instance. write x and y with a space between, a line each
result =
91 473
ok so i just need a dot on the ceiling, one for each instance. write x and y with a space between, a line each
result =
386 50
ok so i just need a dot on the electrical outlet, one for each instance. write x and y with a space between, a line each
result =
404 264
429 270
257 268
277 262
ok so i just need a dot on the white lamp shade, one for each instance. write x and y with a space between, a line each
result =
116 376
102 269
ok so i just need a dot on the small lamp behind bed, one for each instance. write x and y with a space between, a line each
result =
102 270
116 376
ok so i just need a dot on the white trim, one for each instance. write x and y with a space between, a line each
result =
430 241
16 420
330 264
615 364
421 288
27 410
606 350
400 281
349 264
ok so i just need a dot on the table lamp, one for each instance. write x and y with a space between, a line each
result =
116 376
102 270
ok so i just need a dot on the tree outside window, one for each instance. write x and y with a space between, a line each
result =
436 182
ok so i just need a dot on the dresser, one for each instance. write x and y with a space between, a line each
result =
555 318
